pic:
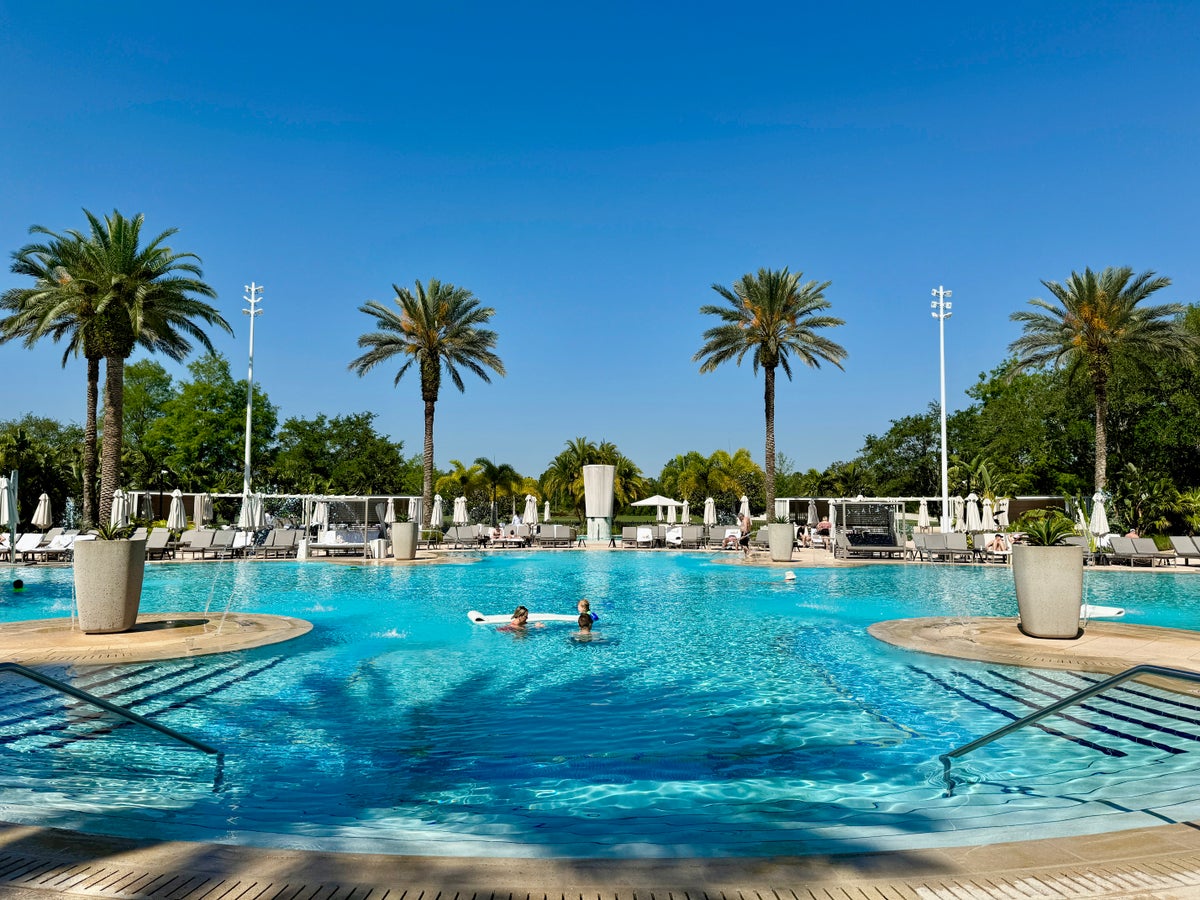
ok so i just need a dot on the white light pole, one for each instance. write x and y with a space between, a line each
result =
253 297
941 312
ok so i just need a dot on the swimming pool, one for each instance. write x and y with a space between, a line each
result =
725 712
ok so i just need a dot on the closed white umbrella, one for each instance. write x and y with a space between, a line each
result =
438 513
813 518
414 509
781 509
686 517
530 516
202 510
670 515
744 507
710 512
956 513
251 515
8 510
1081 521
1002 513
832 518
176 517
987 515
974 520
389 512
119 516
460 516
42 517
923 515
546 512
1099 521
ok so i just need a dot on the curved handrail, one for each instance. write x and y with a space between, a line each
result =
1082 694
75 692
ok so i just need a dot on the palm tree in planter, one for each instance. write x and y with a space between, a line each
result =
1048 575
437 327
772 317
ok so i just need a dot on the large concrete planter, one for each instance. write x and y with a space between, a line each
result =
780 538
1049 582
108 584
404 540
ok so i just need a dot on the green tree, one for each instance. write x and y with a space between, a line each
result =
904 460
461 481
1094 320
340 455
772 317
148 388
43 452
501 479
436 327
201 434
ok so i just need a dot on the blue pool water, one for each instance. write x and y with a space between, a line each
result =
724 712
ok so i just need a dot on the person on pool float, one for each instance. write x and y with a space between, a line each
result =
520 621
584 606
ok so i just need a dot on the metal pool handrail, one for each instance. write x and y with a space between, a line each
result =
1058 705
65 688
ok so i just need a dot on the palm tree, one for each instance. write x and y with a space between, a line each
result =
771 316
1093 320
59 306
435 327
112 295
497 477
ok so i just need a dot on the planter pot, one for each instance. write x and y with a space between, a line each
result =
1049 582
108 584
780 538
404 540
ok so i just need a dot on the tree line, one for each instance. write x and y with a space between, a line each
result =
1099 379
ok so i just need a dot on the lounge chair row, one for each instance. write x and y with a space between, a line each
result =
459 536
204 543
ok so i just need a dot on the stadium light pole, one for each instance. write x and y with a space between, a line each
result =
253 297
941 312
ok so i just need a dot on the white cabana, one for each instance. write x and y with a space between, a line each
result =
744 507
459 516
438 514
42 517
119 515
974 522
176 517
1099 521
658 501
530 516
923 515
710 512
685 517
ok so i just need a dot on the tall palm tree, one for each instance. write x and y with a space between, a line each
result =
112 294
59 306
437 327
497 476
1093 320
771 316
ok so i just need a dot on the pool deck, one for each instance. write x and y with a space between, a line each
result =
1158 862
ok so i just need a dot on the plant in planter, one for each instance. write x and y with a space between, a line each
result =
108 579
781 536
1048 575
404 537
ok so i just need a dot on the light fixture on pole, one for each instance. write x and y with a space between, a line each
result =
253 297
941 312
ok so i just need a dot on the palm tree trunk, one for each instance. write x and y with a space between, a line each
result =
114 412
427 480
769 404
89 444
1100 387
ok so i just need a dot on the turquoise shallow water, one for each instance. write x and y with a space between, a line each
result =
722 712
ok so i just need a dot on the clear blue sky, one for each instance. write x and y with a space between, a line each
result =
590 172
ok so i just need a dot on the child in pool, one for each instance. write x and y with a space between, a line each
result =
584 607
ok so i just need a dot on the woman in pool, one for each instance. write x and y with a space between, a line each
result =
520 621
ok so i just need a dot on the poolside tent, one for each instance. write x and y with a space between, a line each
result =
658 501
